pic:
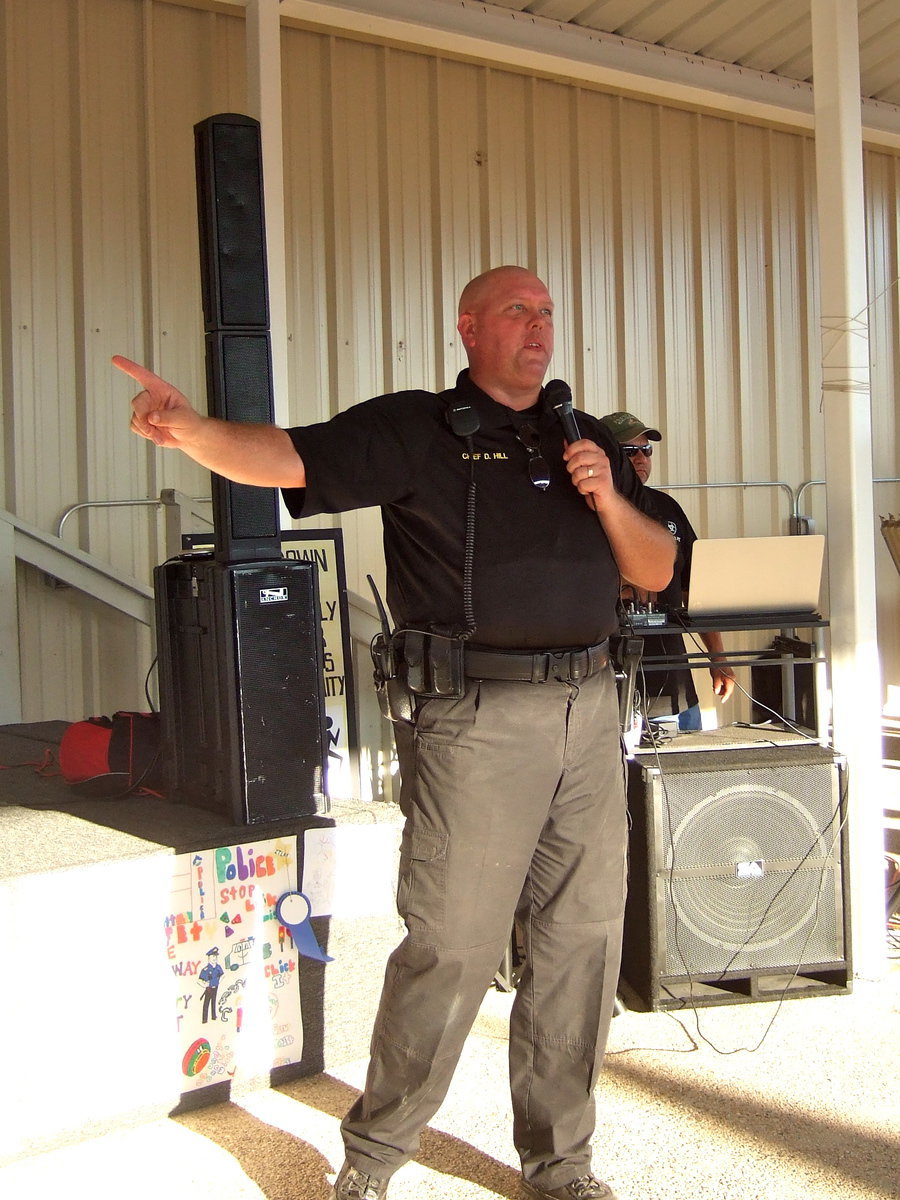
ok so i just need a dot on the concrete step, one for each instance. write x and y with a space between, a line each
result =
109 910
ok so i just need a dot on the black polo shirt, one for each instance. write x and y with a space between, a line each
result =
543 573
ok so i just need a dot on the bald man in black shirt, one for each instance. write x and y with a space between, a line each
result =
504 547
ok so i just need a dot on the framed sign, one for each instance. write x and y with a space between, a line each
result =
325 548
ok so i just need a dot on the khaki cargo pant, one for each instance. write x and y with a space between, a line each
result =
514 804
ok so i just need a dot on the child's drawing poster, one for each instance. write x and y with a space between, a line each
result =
234 965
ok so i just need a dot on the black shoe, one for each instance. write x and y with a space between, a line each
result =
357 1185
585 1187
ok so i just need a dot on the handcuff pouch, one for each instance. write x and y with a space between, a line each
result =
435 664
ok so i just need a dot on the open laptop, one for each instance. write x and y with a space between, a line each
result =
756 576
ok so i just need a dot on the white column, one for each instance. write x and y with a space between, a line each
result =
10 675
265 103
855 669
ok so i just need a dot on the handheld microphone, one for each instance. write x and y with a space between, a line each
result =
558 395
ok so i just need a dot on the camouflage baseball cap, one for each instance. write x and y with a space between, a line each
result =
625 427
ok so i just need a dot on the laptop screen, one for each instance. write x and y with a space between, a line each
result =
734 576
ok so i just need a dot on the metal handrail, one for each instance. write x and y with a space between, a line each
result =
795 497
363 614
753 483
821 483
773 483
155 502
78 569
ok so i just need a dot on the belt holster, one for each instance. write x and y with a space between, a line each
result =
394 697
434 664
626 653
415 664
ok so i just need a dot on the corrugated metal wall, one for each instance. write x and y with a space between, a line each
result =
680 249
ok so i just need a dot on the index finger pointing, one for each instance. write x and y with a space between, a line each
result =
142 375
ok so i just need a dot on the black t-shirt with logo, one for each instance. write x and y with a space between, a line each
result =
669 512
678 685
544 576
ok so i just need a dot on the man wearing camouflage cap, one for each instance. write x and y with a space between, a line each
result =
672 691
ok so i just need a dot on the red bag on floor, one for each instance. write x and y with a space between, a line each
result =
113 757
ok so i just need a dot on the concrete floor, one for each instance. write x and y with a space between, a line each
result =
757 1101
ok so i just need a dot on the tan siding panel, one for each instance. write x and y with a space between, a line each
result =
507 186
553 191
461 167
882 208
408 308
639 181
680 395
679 247
309 224
109 237
597 371
41 318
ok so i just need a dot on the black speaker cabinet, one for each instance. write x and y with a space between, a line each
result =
241 691
737 877
239 385
231 212
233 275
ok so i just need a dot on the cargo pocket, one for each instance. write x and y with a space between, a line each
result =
422 880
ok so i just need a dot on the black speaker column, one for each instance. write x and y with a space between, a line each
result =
737 885
233 276
239 632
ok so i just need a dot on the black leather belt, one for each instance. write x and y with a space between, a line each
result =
567 666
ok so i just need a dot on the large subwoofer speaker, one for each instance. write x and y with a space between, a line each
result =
241 694
737 883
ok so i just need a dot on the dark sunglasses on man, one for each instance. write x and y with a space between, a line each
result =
631 451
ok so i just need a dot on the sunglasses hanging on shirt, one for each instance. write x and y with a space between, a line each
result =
538 470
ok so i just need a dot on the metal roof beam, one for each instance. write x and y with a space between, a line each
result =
506 37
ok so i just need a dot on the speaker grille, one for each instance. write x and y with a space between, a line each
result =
748 867
235 308
232 224
736 887
242 703
282 732
241 389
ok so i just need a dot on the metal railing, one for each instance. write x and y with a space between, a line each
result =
181 512
799 523
21 542
742 484
175 504
821 483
